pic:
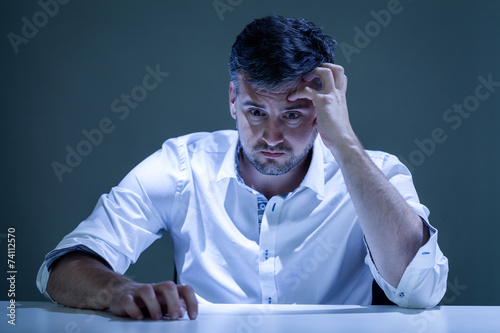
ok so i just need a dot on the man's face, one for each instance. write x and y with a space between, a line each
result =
275 134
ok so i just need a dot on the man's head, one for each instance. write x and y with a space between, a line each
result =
275 53
269 60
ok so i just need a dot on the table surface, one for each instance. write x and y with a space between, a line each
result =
41 317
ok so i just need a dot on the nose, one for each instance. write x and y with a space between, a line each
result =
273 133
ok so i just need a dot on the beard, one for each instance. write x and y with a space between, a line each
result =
271 166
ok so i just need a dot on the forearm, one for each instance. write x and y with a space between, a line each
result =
393 231
82 281
79 280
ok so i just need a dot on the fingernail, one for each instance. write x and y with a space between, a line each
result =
175 316
193 314
182 311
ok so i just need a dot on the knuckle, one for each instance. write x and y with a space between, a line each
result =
125 300
187 289
326 99
323 70
168 285
145 289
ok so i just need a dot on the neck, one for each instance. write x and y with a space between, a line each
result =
270 185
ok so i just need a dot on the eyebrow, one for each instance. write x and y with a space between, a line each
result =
288 108
250 103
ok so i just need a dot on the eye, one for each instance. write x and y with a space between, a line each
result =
256 112
292 115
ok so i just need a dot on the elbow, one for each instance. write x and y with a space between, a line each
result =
430 291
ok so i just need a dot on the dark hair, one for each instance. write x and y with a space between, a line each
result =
276 52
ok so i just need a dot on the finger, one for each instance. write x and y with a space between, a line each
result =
126 306
169 292
147 294
187 294
313 81
326 77
163 303
183 306
325 73
306 92
340 80
309 77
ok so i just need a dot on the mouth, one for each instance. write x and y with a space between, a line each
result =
272 154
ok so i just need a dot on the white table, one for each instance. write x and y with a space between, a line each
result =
41 317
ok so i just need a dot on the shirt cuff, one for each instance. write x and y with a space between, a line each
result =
44 271
423 283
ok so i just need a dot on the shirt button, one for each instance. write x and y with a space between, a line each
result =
401 294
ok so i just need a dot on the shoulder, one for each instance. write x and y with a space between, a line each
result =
378 156
381 159
388 163
216 142
202 149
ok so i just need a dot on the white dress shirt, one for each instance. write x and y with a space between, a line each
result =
310 248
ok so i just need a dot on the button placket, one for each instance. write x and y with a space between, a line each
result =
267 248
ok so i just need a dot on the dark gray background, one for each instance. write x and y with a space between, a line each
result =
64 79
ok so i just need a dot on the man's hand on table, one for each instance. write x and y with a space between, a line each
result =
80 280
137 301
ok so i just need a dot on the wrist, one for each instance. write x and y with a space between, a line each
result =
343 145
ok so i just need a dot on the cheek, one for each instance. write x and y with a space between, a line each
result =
301 137
247 128
305 128
246 132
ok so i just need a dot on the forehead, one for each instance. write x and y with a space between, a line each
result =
246 89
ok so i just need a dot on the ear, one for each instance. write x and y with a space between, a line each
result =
232 99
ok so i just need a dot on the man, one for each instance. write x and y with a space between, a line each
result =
287 209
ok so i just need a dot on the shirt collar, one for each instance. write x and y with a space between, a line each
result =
314 178
228 167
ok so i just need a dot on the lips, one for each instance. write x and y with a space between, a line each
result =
271 154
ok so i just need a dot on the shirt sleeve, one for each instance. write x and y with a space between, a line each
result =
424 281
44 271
128 219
